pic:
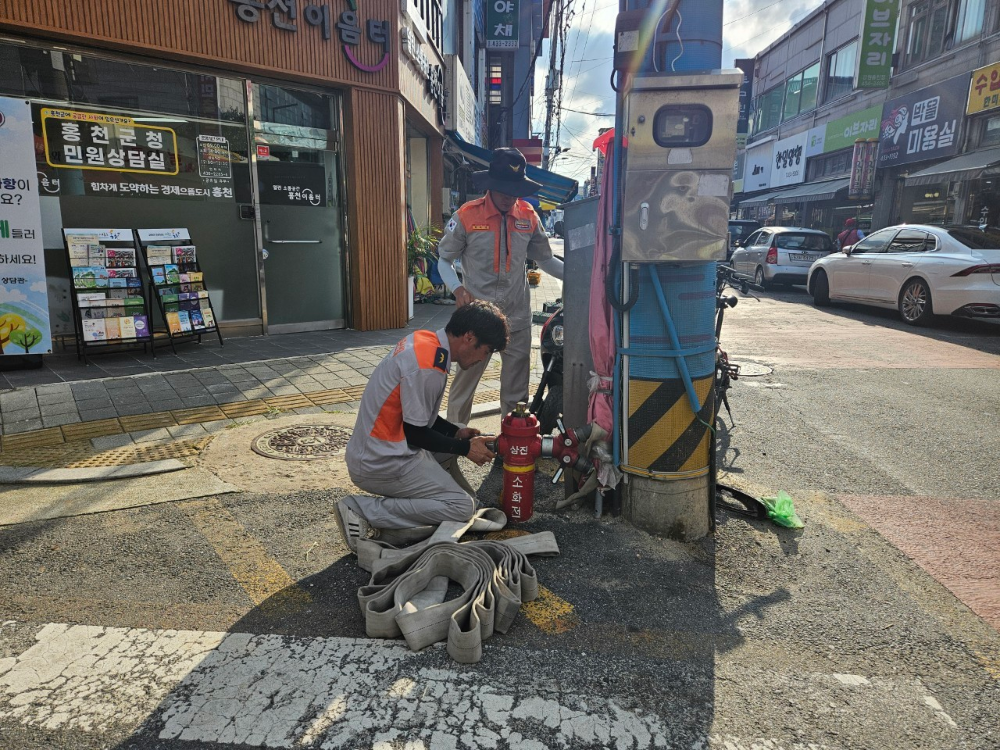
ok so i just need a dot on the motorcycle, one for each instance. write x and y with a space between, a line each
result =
547 404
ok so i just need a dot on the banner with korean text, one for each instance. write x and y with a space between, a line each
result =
984 89
924 124
878 38
503 24
24 300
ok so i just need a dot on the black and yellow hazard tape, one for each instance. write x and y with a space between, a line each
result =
665 438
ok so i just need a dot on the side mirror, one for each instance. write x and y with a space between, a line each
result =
559 229
738 243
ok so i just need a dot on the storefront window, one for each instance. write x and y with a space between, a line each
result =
135 146
302 109
991 132
840 72
800 92
767 109
833 165
983 204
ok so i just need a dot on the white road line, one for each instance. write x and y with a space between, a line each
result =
276 691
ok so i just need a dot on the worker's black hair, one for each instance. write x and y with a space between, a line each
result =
484 320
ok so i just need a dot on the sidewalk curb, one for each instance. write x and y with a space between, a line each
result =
32 475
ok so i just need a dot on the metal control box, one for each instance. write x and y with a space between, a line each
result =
681 131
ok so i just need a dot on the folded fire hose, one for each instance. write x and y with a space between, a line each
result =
406 594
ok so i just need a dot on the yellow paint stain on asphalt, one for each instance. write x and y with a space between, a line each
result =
990 664
550 613
266 583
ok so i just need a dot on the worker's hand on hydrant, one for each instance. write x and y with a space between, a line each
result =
462 297
467 433
479 454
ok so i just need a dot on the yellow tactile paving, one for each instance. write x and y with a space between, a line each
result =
87 430
239 409
38 439
198 415
142 422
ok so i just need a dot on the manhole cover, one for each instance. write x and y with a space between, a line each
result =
302 443
753 369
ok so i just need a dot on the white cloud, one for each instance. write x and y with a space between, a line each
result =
749 27
11 295
41 287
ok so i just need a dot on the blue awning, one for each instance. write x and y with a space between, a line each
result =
555 187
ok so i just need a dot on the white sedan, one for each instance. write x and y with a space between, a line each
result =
920 270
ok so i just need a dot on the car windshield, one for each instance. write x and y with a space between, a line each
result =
977 239
804 241
739 231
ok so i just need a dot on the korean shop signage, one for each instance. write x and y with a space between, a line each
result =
844 132
502 18
757 171
924 124
746 96
789 160
284 15
24 300
984 89
94 141
878 28
284 184
432 73
861 185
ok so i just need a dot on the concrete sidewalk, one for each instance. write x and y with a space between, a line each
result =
68 417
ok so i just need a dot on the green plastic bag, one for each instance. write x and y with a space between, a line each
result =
781 510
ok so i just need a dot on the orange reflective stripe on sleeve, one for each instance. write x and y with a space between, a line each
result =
425 346
389 423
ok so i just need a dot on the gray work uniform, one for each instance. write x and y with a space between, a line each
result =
493 248
406 386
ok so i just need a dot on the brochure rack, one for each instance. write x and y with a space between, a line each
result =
109 307
177 283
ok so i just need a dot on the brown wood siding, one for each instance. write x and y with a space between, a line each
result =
374 148
208 31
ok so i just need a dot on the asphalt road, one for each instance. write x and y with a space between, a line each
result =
233 621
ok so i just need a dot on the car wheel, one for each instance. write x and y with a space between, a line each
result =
915 303
821 290
759 280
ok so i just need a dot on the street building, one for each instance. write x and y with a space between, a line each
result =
297 142
882 111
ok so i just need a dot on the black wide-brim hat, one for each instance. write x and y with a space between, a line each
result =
506 174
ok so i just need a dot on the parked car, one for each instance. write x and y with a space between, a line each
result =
739 230
780 255
919 270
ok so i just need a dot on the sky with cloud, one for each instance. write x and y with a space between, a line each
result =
748 27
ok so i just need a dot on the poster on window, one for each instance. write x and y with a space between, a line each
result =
878 39
924 124
292 184
113 155
24 300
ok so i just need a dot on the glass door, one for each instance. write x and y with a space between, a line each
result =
301 221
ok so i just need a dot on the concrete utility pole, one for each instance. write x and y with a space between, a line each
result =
552 80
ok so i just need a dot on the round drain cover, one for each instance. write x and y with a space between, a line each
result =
753 369
302 443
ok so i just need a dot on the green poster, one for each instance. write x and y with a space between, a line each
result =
502 24
878 30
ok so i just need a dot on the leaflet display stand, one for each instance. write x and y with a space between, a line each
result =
109 307
177 283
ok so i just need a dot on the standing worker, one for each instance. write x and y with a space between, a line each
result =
493 236
399 441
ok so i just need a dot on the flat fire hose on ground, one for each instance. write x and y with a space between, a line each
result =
406 594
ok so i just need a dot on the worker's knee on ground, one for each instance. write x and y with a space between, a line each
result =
459 506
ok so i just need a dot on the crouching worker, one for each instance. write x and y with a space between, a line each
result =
400 442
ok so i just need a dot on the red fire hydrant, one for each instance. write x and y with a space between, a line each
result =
519 445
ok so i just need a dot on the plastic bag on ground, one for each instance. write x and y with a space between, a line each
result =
781 510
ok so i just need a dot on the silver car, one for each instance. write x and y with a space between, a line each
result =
780 255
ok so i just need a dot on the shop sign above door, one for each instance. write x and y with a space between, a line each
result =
789 160
984 90
284 16
502 24
842 133
922 125
757 172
